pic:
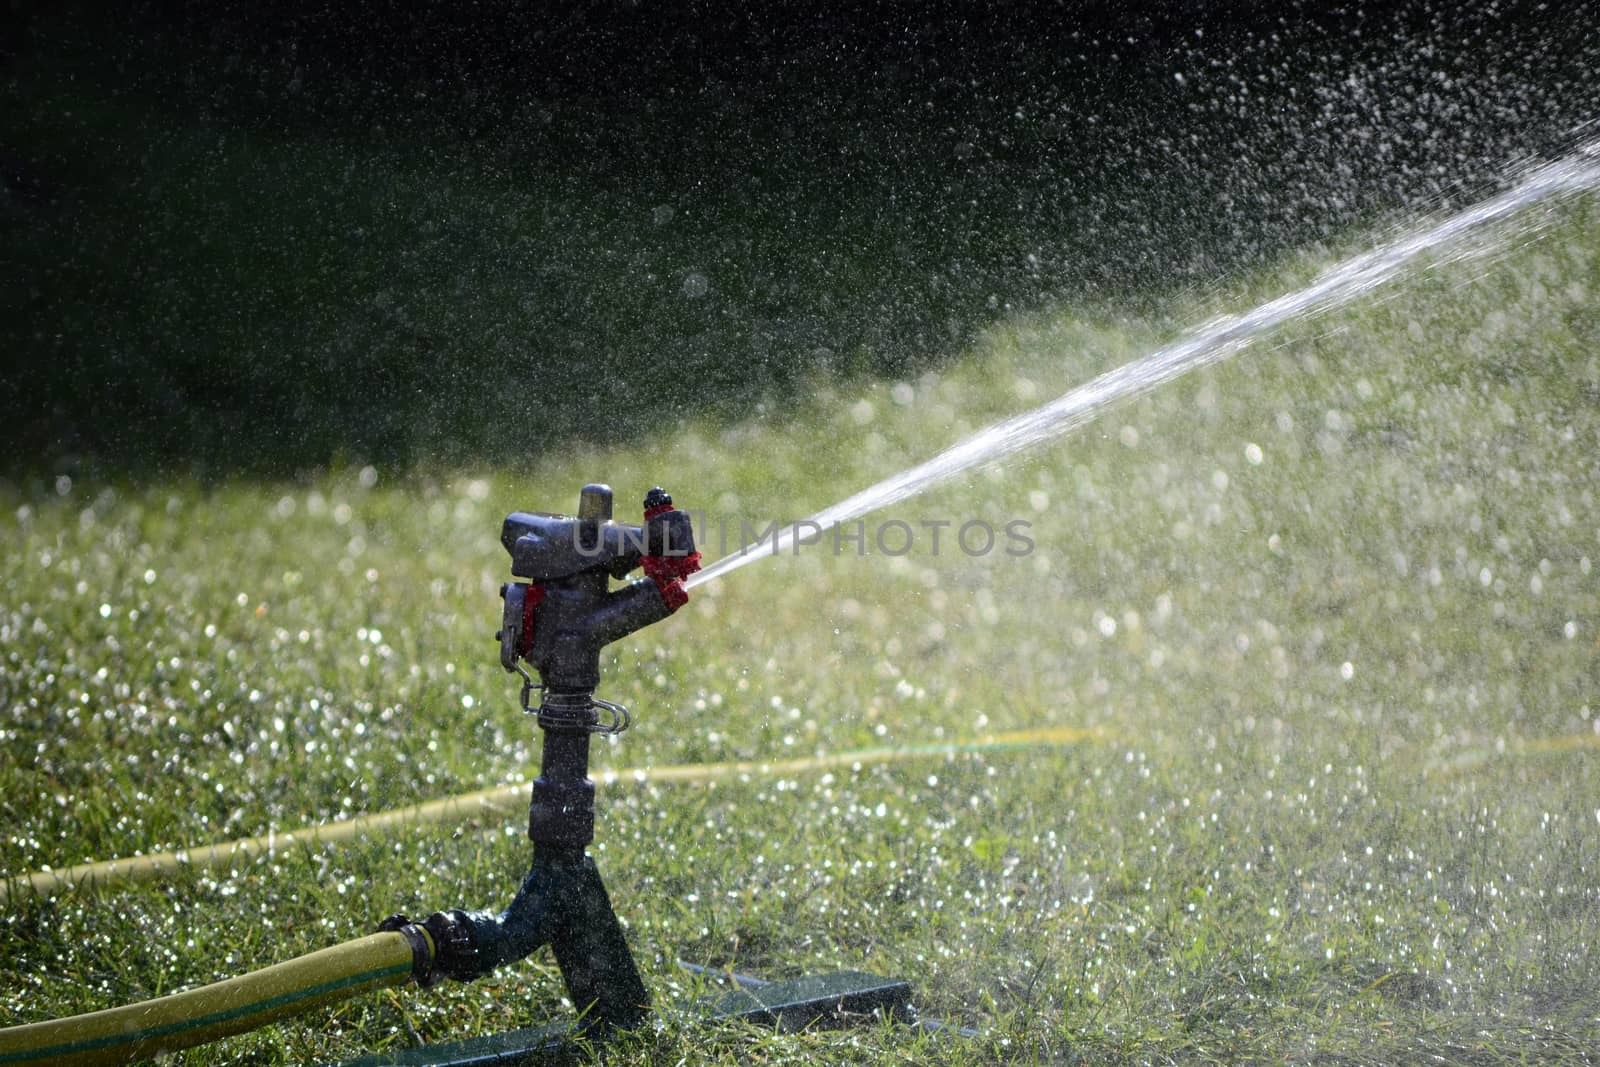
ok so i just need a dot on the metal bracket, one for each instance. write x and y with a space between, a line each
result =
788 1005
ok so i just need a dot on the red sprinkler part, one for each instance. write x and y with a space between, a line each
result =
673 594
664 569
530 601
668 572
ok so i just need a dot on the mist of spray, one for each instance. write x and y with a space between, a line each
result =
1215 340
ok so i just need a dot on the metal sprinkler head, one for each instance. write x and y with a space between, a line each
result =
558 620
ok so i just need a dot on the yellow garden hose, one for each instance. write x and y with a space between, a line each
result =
1472 758
505 799
499 800
140 1031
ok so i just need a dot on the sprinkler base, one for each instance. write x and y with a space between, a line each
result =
839 998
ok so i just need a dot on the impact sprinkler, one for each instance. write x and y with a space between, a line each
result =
556 618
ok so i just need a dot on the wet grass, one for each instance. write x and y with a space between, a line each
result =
1333 606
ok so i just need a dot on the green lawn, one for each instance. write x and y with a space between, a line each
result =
1330 607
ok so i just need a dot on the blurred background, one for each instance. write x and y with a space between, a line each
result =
262 237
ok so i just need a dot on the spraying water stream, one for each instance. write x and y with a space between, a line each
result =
1211 342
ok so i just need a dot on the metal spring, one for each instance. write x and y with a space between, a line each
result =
569 711
620 718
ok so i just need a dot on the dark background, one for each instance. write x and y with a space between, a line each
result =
259 237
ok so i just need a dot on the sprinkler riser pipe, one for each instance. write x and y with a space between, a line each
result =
561 812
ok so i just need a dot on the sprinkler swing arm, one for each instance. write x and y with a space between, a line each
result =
557 621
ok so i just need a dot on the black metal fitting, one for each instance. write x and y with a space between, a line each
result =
547 547
561 812
563 904
441 946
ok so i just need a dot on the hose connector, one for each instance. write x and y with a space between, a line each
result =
441 947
